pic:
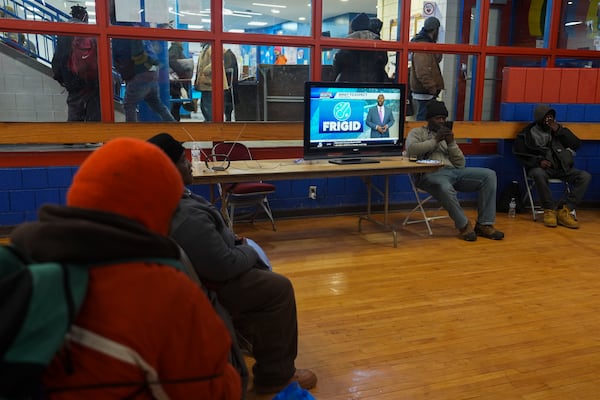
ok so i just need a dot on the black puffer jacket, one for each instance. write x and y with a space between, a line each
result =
559 150
360 65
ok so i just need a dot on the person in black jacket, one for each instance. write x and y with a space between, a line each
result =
360 65
546 149
83 99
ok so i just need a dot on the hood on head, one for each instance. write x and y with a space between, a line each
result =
541 111
131 178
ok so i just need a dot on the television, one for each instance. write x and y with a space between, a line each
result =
335 121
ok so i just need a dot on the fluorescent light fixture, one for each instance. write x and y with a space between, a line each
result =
236 30
268 5
247 12
257 23
190 26
301 18
573 23
275 11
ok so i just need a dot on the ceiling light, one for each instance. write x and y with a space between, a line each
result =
573 23
268 5
275 11
257 23
236 30
301 18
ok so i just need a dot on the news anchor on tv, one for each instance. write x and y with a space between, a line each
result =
379 119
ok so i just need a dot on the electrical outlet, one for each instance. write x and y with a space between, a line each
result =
312 192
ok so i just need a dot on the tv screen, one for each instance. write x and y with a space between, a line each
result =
342 120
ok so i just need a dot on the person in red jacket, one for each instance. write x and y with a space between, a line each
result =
144 330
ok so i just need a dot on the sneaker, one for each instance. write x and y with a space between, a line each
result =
467 233
488 231
305 378
565 218
550 218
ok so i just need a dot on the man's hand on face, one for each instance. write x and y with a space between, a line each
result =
551 122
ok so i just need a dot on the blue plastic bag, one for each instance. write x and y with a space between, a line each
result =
293 391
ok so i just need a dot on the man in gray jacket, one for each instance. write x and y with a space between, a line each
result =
435 141
261 302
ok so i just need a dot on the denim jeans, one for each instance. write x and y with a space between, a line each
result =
144 87
578 179
444 184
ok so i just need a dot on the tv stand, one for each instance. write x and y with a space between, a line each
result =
355 160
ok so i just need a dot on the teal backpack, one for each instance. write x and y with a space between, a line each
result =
38 304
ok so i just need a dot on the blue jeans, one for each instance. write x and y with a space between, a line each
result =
144 87
421 109
444 184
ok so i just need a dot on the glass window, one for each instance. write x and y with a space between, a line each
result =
271 86
284 17
580 25
352 65
458 22
518 23
456 72
346 19
179 14
41 79
505 86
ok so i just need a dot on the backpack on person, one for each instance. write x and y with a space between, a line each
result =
83 60
38 304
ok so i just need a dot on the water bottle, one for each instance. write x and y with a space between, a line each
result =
512 208
196 160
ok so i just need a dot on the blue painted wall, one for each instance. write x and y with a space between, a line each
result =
24 190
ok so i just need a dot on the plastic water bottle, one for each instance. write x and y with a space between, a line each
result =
196 160
512 208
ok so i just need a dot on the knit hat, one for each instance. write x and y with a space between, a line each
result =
541 111
431 24
360 23
131 178
169 145
435 108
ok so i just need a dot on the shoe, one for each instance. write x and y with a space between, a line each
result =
467 233
488 231
565 218
550 218
305 378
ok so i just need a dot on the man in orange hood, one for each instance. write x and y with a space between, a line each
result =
145 330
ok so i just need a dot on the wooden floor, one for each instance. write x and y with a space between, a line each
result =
440 318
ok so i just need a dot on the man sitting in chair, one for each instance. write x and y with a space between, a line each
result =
546 149
261 302
436 141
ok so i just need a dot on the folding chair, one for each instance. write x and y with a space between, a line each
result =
422 197
241 195
529 188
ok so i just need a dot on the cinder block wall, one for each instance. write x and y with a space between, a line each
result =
24 190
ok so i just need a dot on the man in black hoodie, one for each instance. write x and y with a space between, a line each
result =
546 149
426 81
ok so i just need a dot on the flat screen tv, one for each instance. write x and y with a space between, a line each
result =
336 121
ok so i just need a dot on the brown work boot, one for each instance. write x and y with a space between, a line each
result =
565 218
488 231
550 218
467 233
305 378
